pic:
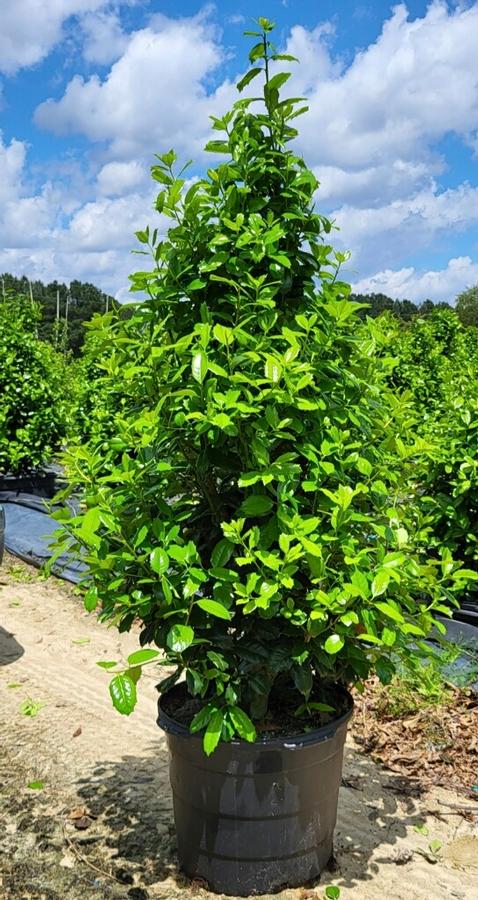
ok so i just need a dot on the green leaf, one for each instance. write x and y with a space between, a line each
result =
360 582
276 82
36 785
196 285
223 335
106 664
199 366
201 718
217 147
380 583
242 724
256 505
142 656
221 554
332 892
272 370
123 694
333 644
435 845
214 608
421 828
179 638
282 260
256 52
31 708
90 599
247 78
388 610
213 732
303 679
286 57
159 560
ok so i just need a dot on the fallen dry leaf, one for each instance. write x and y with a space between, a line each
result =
83 823
438 745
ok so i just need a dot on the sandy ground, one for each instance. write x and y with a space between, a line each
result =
101 826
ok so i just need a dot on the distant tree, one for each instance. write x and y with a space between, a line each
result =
405 309
77 304
467 306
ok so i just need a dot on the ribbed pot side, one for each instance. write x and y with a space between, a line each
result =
255 818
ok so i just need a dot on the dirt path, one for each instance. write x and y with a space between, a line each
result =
101 826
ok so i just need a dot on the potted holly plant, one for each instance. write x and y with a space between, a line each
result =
247 507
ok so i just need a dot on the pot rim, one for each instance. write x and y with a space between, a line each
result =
171 726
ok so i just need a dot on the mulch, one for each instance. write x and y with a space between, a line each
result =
435 745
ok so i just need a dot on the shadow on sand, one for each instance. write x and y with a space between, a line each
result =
10 649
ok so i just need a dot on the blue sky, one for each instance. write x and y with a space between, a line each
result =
91 89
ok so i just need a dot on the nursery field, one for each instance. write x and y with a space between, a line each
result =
272 498
100 824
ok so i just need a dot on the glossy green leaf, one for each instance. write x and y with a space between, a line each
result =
199 366
272 370
247 78
179 638
222 553
123 694
388 610
380 583
142 656
242 723
213 732
256 505
159 560
333 644
214 608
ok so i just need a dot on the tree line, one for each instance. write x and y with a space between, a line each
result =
465 305
64 308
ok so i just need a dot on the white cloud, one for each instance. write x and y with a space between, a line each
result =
31 28
12 160
388 233
103 224
116 178
105 39
443 284
154 96
373 185
413 85
370 135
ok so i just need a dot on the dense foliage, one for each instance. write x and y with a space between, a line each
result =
248 506
467 306
33 389
77 303
438 363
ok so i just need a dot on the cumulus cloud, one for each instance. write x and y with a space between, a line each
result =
116 178
371 135
417 82
438 285
154 96
30 29
390 231
105 39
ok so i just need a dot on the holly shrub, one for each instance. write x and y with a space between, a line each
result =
249 509
33 409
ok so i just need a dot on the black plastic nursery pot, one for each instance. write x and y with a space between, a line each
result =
255 818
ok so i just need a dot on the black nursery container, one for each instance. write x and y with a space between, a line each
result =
254 818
